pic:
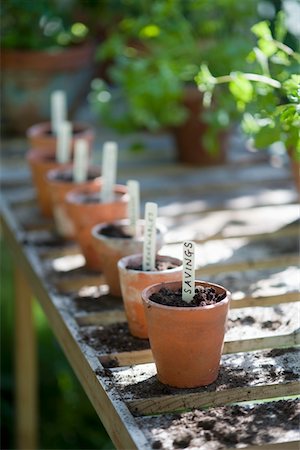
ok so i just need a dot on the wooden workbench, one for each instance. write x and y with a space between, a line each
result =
244 218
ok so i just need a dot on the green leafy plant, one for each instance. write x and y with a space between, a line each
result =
155 49
267 98
41 24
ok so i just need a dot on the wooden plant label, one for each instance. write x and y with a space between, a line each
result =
149 246
58 110
63 143
109 171
188 273
133 204
81 161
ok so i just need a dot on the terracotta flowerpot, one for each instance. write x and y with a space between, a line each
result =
186 342
112 249
133 282
60 182
40 136
40 163
30 76
188 136
85 210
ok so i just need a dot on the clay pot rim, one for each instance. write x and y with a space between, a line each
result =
160 228
43 128
220 304
139 256
73 196
50 175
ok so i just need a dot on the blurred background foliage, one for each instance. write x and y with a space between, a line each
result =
67 420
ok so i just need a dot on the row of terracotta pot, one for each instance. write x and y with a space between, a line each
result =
186 342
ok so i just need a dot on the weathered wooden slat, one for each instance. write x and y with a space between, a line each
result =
104 318
145 356
243 377
267 426
264 263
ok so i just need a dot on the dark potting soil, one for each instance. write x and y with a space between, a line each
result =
75 130
113 338
67 177
115 231
204 296
159 265
95 197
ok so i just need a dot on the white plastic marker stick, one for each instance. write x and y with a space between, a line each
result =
188 273
149 246
81 161
63 143
58 110
133 204
109 171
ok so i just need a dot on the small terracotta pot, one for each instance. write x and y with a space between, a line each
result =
40 163
186 342
85 214
40 136
58 189
114 248
133 282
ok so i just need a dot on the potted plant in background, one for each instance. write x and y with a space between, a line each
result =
85 209
43 48
155 49
113 240
268 96
133 280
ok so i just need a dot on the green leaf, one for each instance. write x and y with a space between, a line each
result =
280 27
205 80
241 88
150 31
267 46
262 30
266 136
250 124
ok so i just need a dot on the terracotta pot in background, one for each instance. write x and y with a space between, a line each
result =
30 76
188 136
40 163
85 212
60 182
112 249
133 282
186 342
41 137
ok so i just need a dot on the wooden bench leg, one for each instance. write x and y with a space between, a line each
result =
25 366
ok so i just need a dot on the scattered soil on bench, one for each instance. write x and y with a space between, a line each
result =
223 427
96 302
204 296
112 339
143 382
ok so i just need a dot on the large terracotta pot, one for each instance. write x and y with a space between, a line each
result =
188 137
133 282
60 182
40 163
186 342
40 136
85 214
29 77
112 249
